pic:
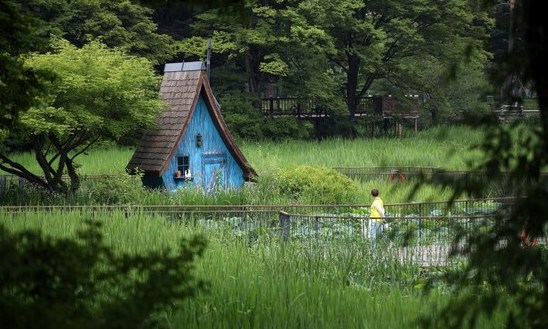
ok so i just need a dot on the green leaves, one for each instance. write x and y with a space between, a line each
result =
118 24
91 94
317 184
81 282
95 90
274 65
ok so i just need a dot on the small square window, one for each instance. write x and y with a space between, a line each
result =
183 164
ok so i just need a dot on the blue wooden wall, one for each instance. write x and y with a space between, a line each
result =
212 165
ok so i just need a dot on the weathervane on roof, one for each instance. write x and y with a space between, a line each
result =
208 59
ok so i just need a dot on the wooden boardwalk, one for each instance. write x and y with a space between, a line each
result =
375 109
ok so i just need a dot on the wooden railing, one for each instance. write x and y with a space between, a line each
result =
383 106
508 113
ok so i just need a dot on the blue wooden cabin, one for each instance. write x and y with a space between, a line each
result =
191 144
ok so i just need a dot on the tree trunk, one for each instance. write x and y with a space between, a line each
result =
251 76
74 178
352 84
351 88
537 41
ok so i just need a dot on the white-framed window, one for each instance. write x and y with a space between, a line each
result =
183 164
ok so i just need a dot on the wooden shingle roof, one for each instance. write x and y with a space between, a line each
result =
181 91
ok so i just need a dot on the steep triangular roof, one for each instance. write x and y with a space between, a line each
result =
181 90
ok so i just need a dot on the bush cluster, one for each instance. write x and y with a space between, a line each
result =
81 282
317 185
245 121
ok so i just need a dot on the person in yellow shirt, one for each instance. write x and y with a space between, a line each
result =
376 216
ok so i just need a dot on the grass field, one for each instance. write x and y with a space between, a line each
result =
447 148
267 283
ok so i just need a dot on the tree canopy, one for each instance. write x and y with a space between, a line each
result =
117 24
91 94
347 44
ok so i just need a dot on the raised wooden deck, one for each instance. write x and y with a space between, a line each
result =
375 109
371 106
509 113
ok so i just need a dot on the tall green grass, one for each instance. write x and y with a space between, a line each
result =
267 284
445 147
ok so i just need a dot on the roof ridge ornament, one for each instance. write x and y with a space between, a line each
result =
208 57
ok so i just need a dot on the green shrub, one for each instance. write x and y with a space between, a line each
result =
287 128
317 185
117 189
81 282
243 119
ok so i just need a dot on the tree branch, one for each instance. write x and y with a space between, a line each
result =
20 171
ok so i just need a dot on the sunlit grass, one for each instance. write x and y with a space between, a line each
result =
447 147
268 283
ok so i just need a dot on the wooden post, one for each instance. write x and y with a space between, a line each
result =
285 224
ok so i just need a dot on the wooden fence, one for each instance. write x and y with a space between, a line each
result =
420 233
362 173
383 114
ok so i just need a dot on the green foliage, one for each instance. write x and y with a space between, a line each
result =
338 125
124 25
274 45
451 96
319 184
287 128
93 94
18 84
504 273
80 282
448 148
243 119
385 39
118 189
336 52
246 122
105 100
297 279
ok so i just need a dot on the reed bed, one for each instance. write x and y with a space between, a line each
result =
447 147
257 281
266 283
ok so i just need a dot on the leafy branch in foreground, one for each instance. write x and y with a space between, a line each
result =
507 270
81 283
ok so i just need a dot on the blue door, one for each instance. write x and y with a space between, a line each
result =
214 169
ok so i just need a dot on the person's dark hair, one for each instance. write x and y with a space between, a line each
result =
375 192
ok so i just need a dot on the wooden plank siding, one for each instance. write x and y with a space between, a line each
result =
211 163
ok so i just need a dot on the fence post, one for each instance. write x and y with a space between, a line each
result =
420 221
316 227
285 224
